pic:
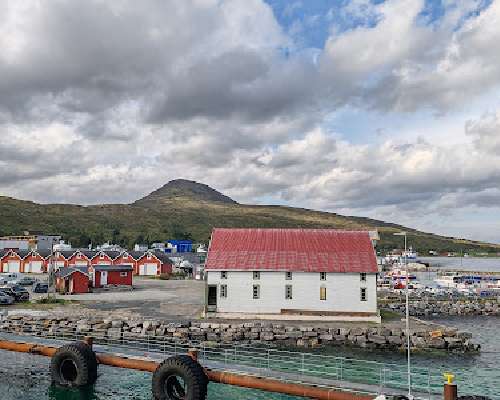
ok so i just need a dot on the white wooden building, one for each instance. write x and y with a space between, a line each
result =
296 274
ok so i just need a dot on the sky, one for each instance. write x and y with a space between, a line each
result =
385 109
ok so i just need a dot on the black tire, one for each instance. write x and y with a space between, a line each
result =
74 365
166 385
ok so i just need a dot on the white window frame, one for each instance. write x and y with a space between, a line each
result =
123 274
256 292
256 275
322 293
223 291
288 292
322 276
223 274
363 294
362 277
288 275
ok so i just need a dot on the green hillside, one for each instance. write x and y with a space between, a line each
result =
186 209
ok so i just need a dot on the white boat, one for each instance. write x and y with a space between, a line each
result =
467 283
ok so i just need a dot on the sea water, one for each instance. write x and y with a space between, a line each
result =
25 377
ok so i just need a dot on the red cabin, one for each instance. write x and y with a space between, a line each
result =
33 263
72 281
11 262
151 264
104 275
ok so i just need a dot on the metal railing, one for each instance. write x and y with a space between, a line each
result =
264 361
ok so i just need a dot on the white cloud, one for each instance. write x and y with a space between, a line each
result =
105 101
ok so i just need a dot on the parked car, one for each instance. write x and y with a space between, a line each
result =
6 299
17 292
40 287
8 277
24 281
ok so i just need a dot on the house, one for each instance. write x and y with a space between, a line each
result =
11 260
179 246
125 258
72 280
80 258
299 274
153 264
33 262
102 258
103 275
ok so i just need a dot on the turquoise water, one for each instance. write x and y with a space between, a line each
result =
24 377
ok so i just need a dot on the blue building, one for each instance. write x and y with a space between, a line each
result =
179 246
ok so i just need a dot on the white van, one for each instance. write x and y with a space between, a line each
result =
9 276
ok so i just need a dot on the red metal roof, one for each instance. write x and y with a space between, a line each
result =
306 250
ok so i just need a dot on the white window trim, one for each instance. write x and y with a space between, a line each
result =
124 274
287 294
322 276
256 275
361 291
288 276
223 291
223 274
254 296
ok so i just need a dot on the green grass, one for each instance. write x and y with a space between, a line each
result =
187 212
388 315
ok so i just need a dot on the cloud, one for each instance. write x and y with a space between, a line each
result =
105 101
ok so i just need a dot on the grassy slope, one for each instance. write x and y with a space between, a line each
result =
162 218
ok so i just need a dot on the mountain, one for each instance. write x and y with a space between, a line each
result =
180 189
187 209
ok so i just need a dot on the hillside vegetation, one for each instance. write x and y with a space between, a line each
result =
186 209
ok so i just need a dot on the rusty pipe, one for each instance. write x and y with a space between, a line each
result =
270 385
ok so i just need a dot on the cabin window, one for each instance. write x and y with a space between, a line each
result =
123 274
256 291
322 293
362 276
322 276
363 294
256 275
223 274
223 291
101 256
288 276
288 292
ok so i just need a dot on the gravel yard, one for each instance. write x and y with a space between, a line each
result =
169 300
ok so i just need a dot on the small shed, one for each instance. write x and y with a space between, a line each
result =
72 281
104 275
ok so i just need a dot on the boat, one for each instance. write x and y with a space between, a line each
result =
468 283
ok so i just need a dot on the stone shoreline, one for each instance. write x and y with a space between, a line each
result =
426 338
433 308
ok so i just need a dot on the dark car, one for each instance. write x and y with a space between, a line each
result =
17 292
26 281
40 287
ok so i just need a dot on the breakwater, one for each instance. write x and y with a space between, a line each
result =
390 337
429 307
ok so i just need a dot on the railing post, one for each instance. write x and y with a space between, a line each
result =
450 388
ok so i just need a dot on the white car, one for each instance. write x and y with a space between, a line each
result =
5 299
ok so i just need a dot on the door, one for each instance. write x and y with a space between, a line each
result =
147 269
212 298
104 278
14 266
36 267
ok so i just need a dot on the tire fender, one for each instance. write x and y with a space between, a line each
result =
179 377
74 365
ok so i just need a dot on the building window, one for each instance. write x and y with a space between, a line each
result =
322 293
223 291
256 291
362 276
101 256
256 275
123 274
322 276
288 276
363 294
288 292
223 274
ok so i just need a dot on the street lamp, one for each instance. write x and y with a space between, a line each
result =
407 312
